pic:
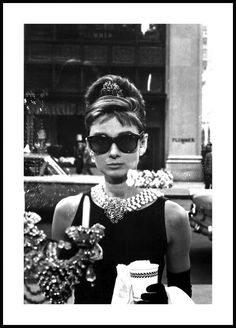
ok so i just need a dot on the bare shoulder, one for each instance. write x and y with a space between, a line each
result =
64 214
176 219
174 213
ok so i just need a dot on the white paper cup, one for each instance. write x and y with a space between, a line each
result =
141 278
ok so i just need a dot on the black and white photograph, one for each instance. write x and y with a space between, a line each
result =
114 173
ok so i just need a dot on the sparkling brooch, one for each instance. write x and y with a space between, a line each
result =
55 277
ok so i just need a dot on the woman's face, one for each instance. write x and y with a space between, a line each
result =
114 164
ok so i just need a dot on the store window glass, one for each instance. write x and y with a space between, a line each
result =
151 81
125 72
68 77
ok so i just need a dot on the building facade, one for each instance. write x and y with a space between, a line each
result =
164 62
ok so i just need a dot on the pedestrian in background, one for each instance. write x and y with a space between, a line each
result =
207 166
79 154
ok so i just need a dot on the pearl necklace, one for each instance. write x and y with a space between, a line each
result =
116 207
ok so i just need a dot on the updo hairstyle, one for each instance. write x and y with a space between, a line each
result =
114 96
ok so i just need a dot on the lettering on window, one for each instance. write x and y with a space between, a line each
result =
183 140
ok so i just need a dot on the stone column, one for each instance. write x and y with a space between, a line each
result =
183 106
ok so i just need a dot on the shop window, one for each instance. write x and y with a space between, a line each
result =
38 31
66 31
38 77
124 72
151 81
68 78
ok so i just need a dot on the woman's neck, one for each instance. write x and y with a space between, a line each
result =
121 190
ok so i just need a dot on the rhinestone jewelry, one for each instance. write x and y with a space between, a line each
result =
57 277
115 207
110 88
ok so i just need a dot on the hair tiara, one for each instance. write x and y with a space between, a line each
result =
110 88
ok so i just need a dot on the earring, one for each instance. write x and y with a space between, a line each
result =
92 155
141 152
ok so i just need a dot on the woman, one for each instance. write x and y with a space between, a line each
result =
139 223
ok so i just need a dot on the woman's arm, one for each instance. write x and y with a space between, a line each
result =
179 243
178 236
177 258
64 215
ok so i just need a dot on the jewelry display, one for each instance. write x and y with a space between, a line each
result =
161 179
56 277
115 207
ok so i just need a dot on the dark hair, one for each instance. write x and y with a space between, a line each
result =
115 96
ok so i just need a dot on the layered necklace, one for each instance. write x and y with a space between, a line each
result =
116 207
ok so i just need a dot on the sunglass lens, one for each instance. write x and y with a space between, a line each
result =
99 144
127 143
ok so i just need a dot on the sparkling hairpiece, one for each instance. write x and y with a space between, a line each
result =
112 89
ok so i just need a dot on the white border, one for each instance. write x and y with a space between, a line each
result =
218 17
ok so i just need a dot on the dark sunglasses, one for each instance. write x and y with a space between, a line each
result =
126 142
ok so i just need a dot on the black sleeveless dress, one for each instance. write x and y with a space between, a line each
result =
141 235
